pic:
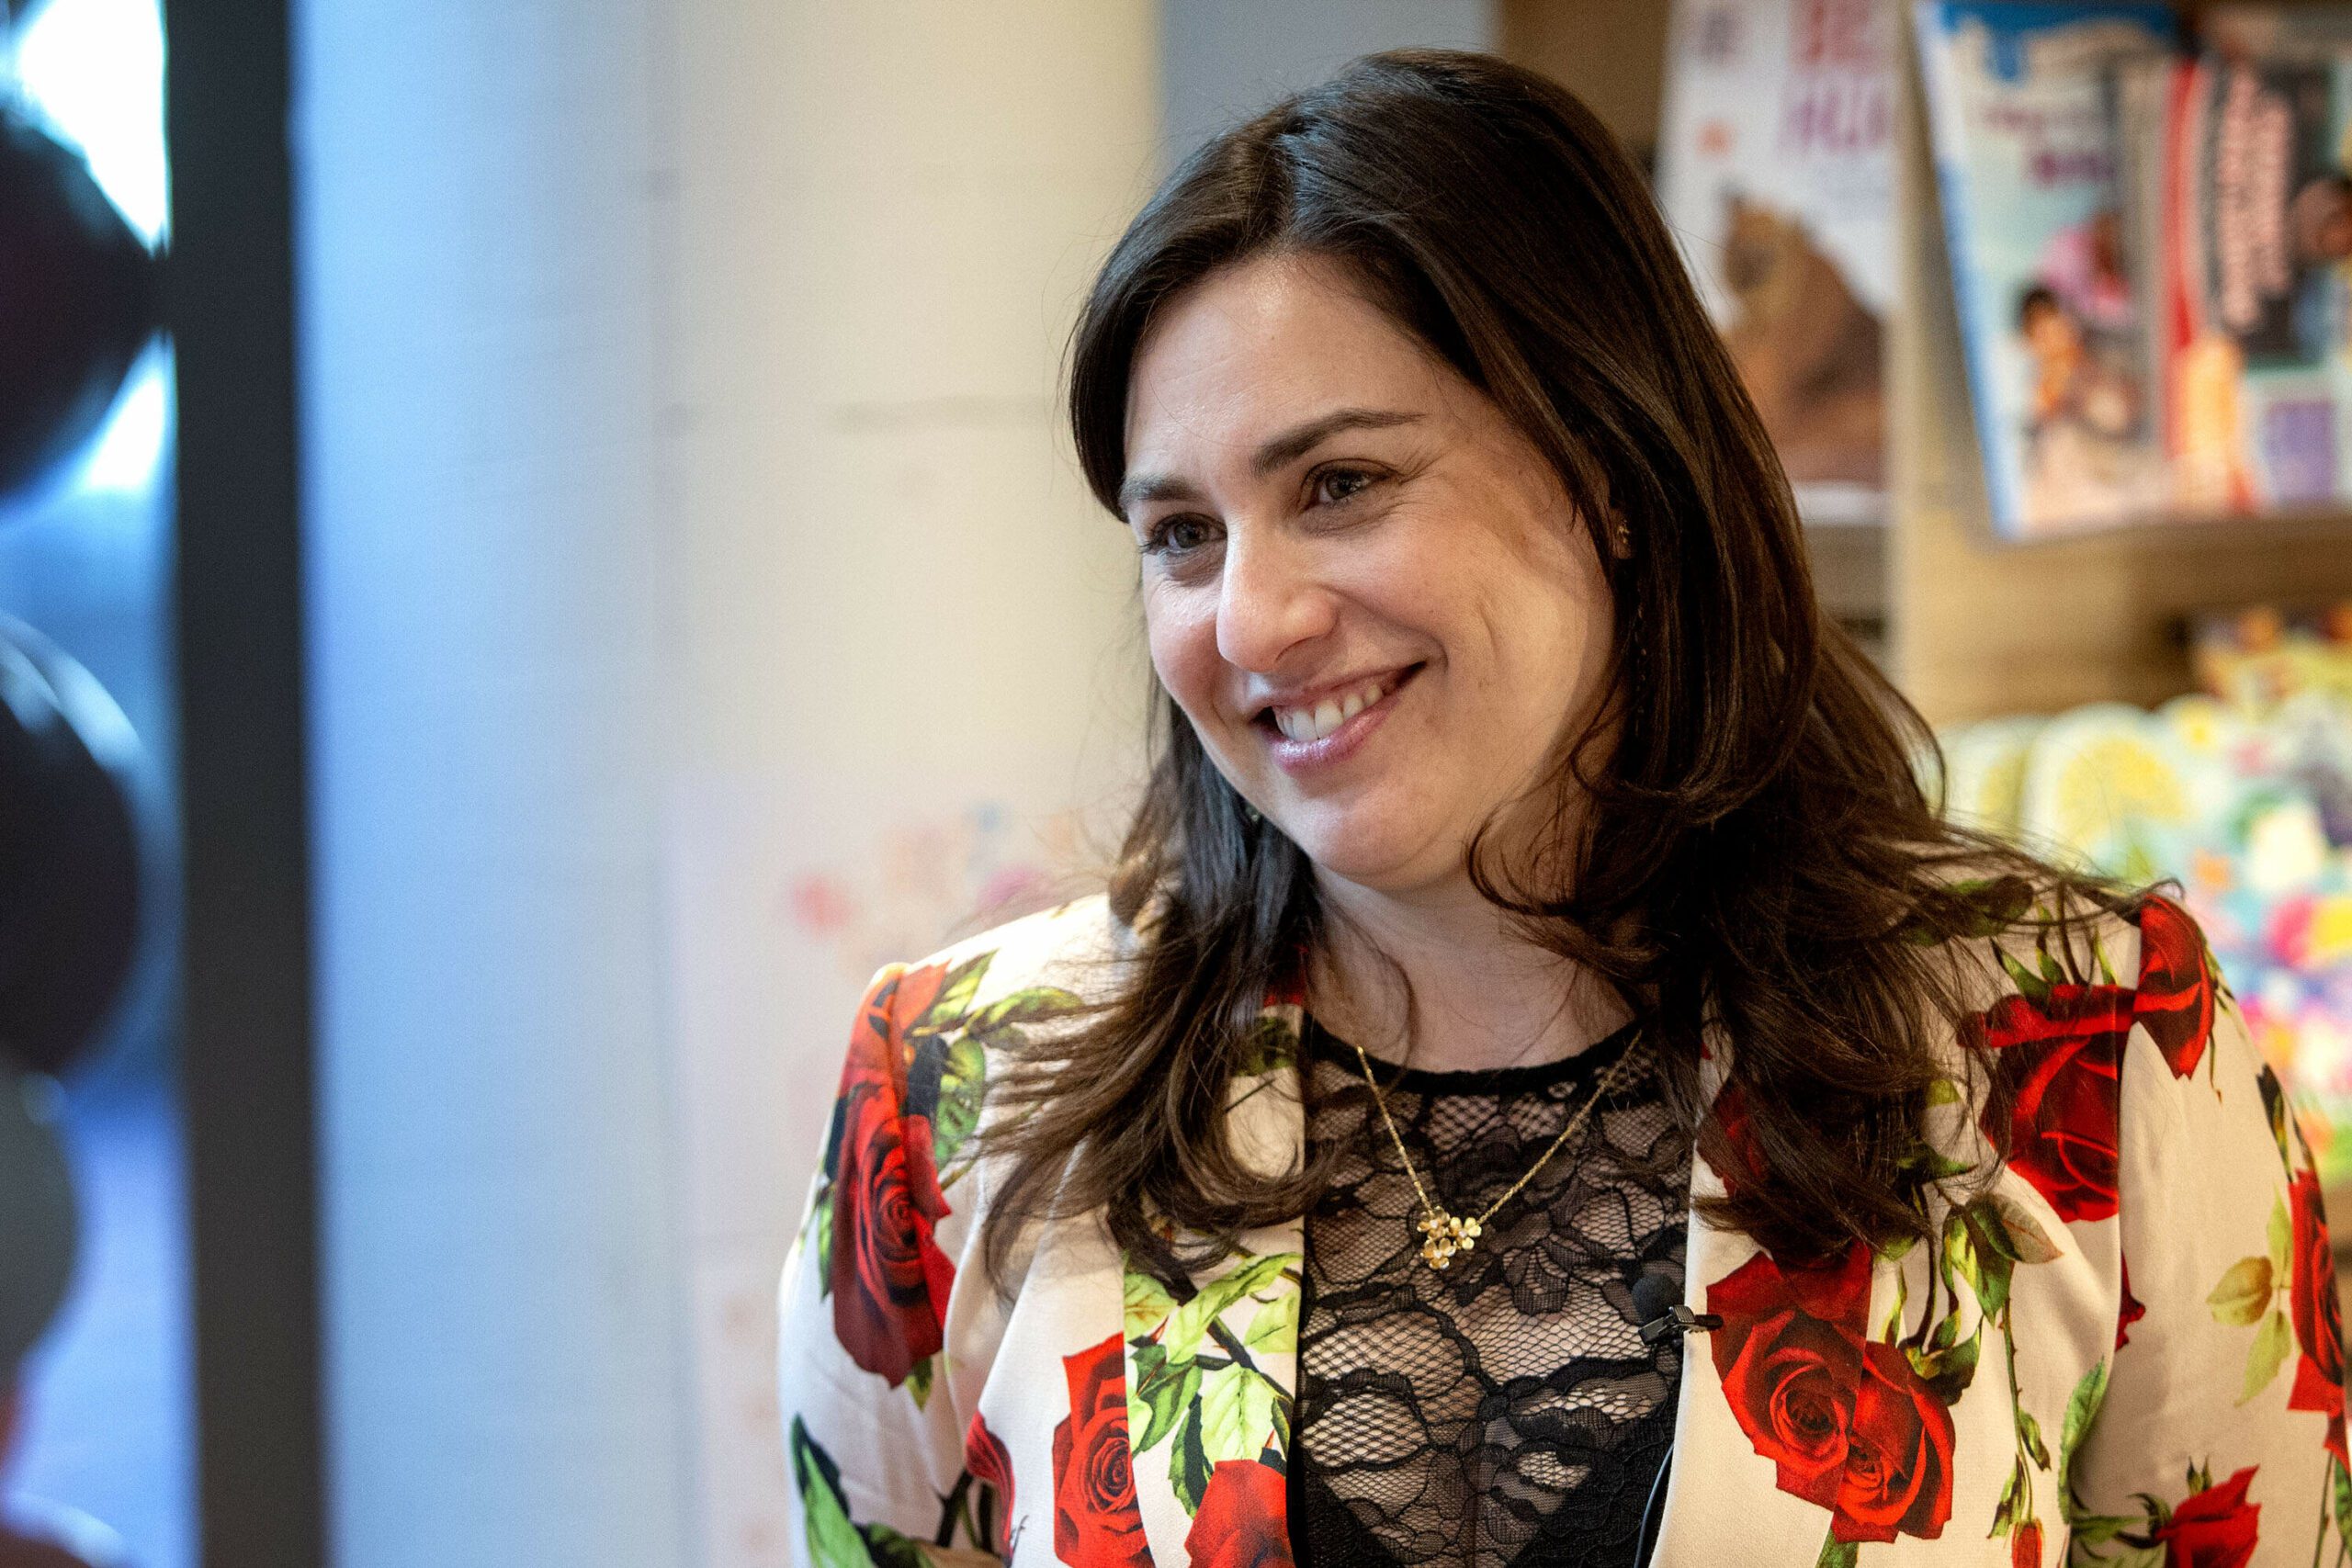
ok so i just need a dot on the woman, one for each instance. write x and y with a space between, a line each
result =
1531 947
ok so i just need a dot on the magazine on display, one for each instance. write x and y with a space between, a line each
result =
1776 172
2258 285
2050 278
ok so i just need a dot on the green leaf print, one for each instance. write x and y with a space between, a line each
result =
1237 1413
1835 1553
1188 1464
1147 1304
821 1242
955 994
2274 1106
2243 1294
2029 1435
919 1381
2339 1486
889 1548
1987 1270
1034 1004
2282 1236
2082 1409
1270 1042
960 1079
835 1540
1948 1369
2272 1341
2004 1512
2006 1227
1190 1322
2029 984
1163 1390
1275 1329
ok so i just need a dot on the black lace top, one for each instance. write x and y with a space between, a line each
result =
1504 1411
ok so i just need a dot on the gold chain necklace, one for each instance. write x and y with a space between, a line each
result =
1446 1234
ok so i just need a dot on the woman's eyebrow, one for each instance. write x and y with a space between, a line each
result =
1272 454
1296 443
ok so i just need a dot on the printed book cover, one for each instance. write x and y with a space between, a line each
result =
1776 170
2023 105
2260 265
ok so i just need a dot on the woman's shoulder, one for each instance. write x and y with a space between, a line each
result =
1051 960
2008 932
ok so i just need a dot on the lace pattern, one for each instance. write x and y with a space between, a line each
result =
1504 1411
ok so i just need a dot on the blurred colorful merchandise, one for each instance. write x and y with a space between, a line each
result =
2243 795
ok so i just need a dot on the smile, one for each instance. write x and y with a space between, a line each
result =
1308 735
1313 723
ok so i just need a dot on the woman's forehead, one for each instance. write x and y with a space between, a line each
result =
1243 355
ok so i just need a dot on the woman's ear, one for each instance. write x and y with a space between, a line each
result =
1620 537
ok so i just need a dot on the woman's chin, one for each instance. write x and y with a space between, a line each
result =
1377 862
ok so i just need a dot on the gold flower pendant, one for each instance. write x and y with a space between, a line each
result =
1447 1236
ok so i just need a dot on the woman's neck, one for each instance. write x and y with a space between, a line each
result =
1482 996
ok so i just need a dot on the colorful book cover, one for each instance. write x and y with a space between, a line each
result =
2262 264
2277 32
1775 168
2022 108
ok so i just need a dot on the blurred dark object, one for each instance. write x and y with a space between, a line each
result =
37 1230
77 302
36 1218
68 854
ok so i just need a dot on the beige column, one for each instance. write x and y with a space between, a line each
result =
704 606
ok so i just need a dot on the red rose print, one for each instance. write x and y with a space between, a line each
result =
1848 1425
1898 1455
2319 1318
2175 999
2065 1057
1242 1522
1097 1522
2130 1312
985 1457
1790 1355
2214 1528
889 1278
2025 1546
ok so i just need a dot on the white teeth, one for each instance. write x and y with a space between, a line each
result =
1315 723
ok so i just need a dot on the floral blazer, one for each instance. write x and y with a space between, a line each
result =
2124 1349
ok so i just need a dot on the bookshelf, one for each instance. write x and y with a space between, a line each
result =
1972 625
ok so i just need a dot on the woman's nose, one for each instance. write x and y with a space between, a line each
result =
1270 599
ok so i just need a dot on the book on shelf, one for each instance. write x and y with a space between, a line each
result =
2047 227
2256 309
1776 172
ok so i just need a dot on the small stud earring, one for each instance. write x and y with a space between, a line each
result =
1250 814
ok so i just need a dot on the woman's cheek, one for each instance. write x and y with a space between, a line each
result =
1182 639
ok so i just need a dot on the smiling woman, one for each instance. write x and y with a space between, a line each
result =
1500 742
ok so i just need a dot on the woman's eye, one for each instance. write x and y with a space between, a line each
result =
1336 485
1178 534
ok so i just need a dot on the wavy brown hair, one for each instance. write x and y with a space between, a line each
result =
1756 846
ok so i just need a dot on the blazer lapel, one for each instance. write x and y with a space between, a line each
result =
1767 1490
1212 1376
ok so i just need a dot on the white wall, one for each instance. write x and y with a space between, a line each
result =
1227 59
687 519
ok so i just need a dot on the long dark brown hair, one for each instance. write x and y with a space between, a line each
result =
1755 844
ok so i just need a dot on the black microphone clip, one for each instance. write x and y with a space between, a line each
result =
1677 1319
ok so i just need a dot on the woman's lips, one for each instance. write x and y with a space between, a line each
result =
1303 748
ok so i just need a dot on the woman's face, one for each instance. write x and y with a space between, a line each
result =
1366 590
